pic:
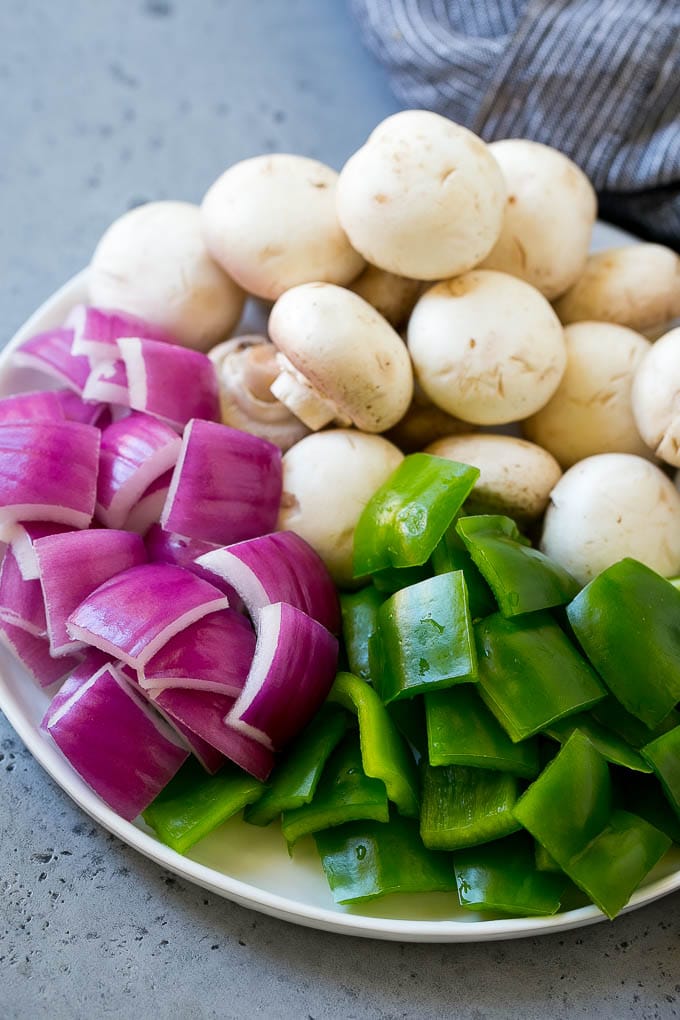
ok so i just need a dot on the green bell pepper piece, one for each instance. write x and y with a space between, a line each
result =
544 860
466 806
295 779
462 731
194 803
663 754
611 747
359 622
522 579
627 621
364 860
395 578
405 519
451 554
426 638
611 714
409 718
502 877
530 675
384 753
344 794
643 795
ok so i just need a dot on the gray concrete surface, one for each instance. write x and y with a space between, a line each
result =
105 104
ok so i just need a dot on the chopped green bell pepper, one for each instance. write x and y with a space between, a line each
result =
466 806
194 803
383 751
502 877
405 519
627 621
359 622
663 754
425 638
344 794
364 860
530 675
295 779
395 578
610 745
544 860
611 714
522 579
451 554
409 718
643 795
462 731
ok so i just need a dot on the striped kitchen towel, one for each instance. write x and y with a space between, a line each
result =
598 79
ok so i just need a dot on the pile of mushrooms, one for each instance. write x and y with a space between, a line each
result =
436 294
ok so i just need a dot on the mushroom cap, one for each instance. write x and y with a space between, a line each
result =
656 397
391 295
516 477
271 222
591 410
347 351
486 347
549 216
422 198
153 262
611 506
328 478
636 285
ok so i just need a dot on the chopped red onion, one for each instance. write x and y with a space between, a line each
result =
21 601
34 654
136 612
114 741
48 472
107 382
213 654
72 566
74 408
292 672
134 453
170 382
226 486
39 405
167 547
148 508
22 536
280 567
95 331
50 353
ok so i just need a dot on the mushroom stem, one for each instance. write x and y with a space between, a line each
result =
294 390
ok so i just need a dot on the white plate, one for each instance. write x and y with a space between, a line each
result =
251 865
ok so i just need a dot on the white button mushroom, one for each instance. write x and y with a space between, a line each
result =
656 398
611 506
153 262
637 285
516 477
393 296
423 197
246 367
549 216
328 478
486 347
591 411
342 362
271 222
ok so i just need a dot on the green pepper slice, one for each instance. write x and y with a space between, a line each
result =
522 579
294 781
364 860
384 753
359 622
627 621
426 639
643 795
462 731
663 754
451 554
466 806
530 675
395 578
544 860
611 747
502 877
405 519
194 803
611 714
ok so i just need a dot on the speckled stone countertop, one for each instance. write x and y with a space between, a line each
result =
105 105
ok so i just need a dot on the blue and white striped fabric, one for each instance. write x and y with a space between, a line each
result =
598 79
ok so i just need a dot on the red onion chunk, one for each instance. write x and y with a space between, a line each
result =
134 453
21 601
48 472
34 655
292 672
74 408
280 567
50 353
148 508
167 547
22 536
203 712
95 331
132 615
72 566
170 382
108 382
91 663
122 750
226 486
213 654
39 405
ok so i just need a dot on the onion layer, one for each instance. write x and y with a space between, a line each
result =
50 353
39 405
34 654
169 382
21 601
96 330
